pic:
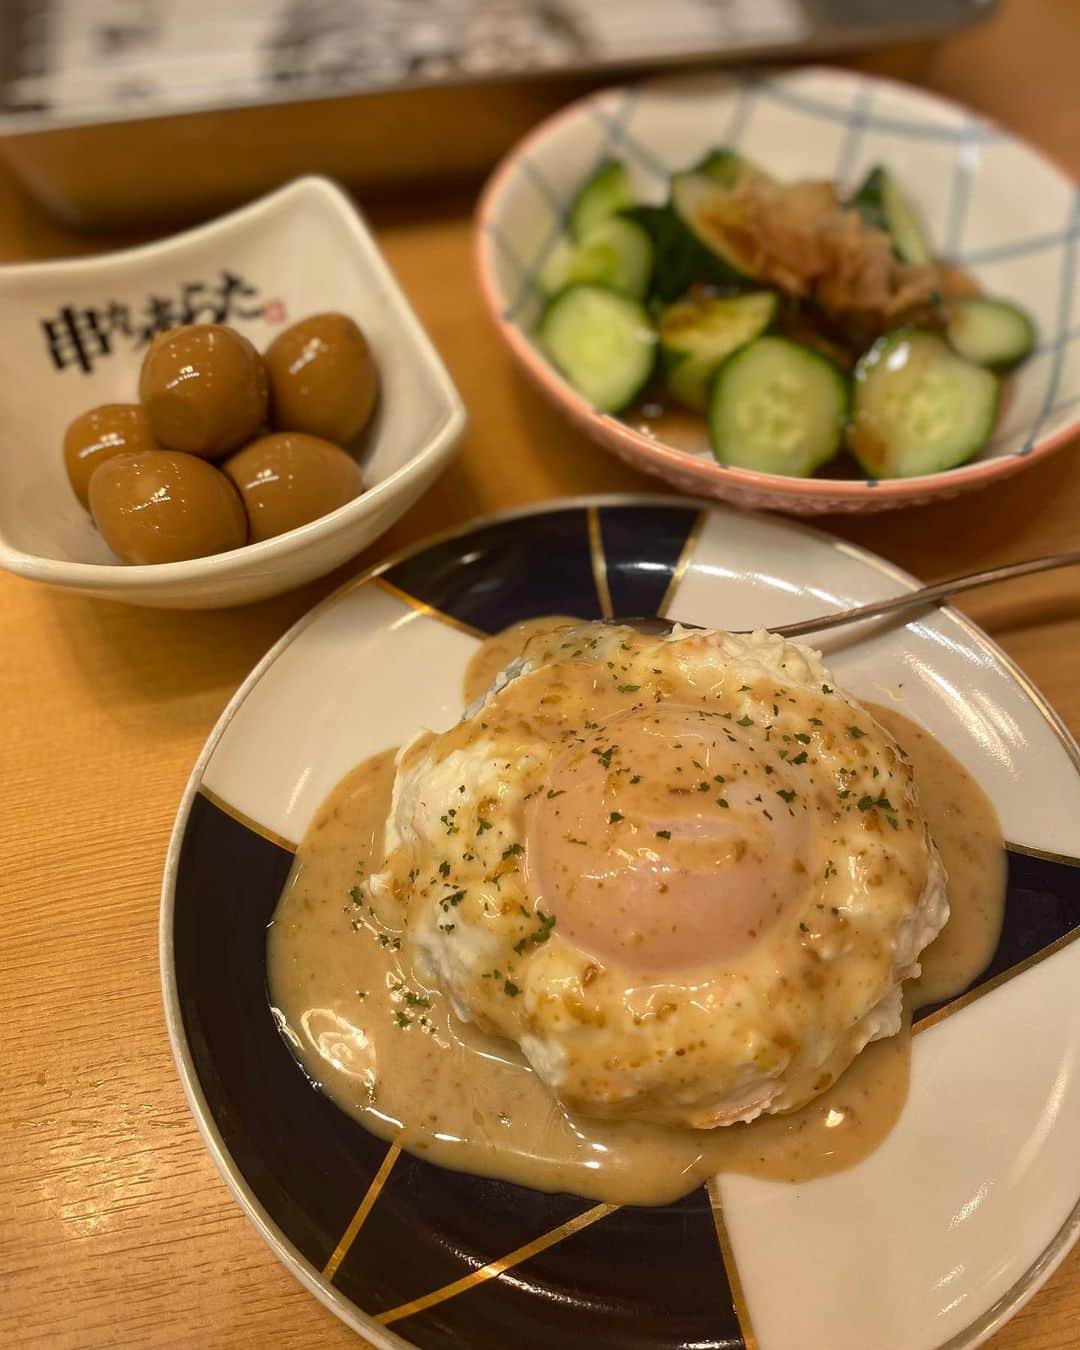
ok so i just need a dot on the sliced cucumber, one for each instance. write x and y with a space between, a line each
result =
618 252
602 341
605 193
885 204
704 209
989 332
919 408
728 167
674 251
696 335
778 407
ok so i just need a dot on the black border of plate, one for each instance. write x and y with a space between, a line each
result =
387 1229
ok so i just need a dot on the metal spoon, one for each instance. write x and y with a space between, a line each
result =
925 595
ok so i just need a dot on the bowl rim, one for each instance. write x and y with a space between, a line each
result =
641 448
149 576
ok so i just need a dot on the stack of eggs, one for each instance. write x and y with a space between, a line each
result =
275 425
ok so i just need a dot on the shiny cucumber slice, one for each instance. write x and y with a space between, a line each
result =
989 332
602 341
697 335
778 407
605 193
618 253
884 204
918 407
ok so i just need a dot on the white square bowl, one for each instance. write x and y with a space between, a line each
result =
74 334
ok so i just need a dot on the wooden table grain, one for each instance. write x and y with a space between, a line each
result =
115 1228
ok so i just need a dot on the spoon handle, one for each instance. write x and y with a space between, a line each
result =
928 595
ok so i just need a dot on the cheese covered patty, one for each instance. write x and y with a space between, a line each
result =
685 874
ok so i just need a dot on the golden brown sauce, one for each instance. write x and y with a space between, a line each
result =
493 655
965 827
388 1049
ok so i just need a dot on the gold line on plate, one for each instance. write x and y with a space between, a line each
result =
264 831
422 607
360 1217
599 563
1046 854
973 995
727 1253
495 1268
687 553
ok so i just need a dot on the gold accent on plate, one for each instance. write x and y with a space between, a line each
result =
1066 859
495 1268
422 607
599 562
689 548
973 995
727 1253
360 1217
264 831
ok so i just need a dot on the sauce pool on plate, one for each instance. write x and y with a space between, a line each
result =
389 1050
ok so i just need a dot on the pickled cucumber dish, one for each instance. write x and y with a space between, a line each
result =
784 326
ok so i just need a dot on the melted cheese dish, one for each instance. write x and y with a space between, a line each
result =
646 887
684 874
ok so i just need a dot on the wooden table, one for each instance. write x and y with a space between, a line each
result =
115 1228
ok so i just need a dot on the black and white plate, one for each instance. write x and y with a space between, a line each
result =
929 1243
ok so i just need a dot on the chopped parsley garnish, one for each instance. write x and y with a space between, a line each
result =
416 1000
636 778
629 688
482 825
826 689
444 869
867 803
743 688
540 936
509 987
857 732
802 738
513 850
815 721
722 801
804 927
356 895
800 758
555 792
703 786
663 834
788 794
402 1020
744 721
615 817
571 840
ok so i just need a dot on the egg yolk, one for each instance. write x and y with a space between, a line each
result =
661 841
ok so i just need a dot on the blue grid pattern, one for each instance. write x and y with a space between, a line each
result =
966 136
